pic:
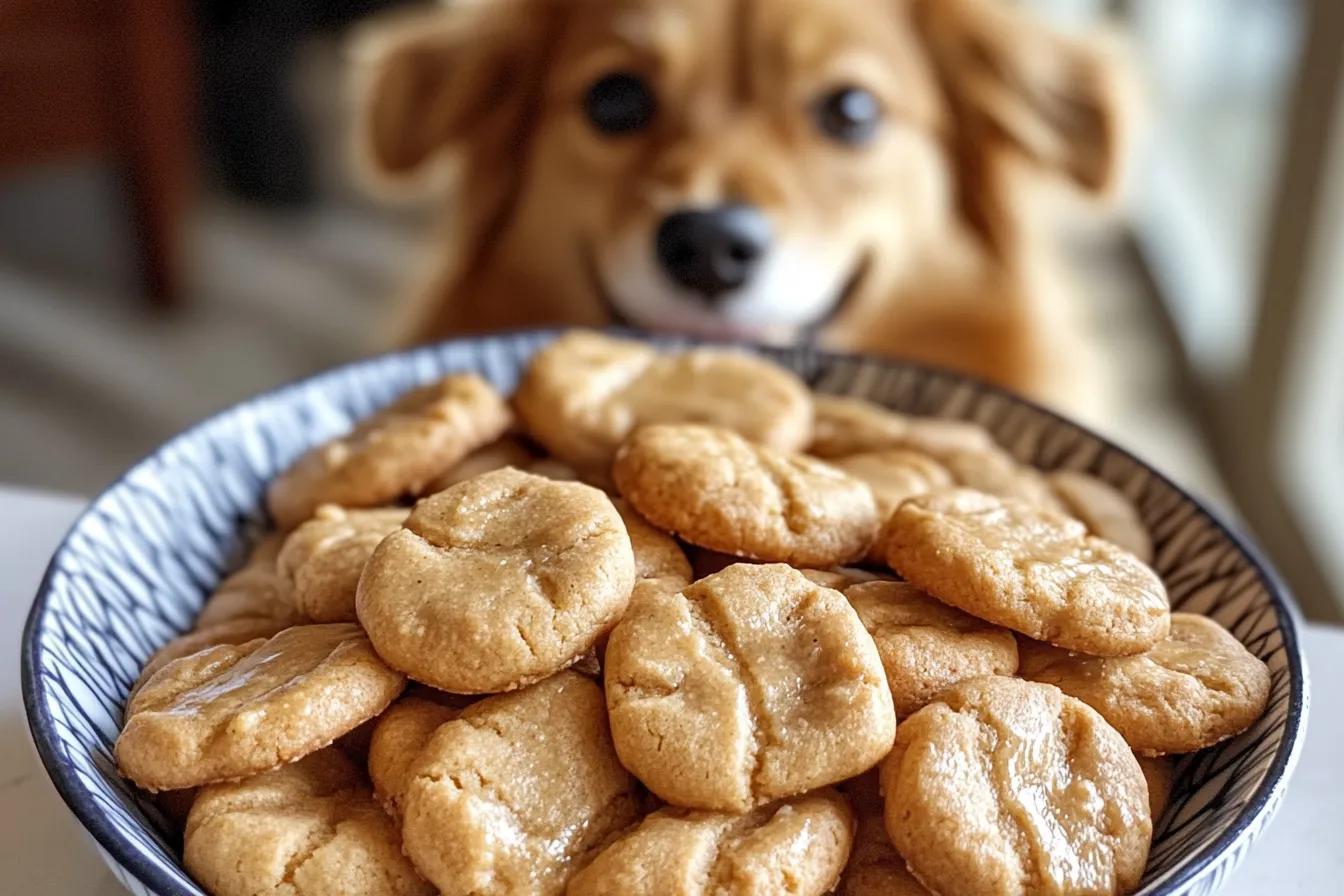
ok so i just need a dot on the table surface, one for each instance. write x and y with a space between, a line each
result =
44 850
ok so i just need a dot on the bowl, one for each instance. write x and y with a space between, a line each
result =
135 568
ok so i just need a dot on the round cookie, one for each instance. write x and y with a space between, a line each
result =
796 846
393 453
508 451
994 472
497 582
323 558
1029 569
518 792
1106 513
715 489
233 631
1006 787
1195 688
927 646
657 554
844 425
398 737
894 476
255 591
1160 774
232 711
583 394
750 685
310 829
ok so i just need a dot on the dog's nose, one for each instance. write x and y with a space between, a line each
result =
713 251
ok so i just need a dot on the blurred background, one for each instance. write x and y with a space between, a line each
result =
179 230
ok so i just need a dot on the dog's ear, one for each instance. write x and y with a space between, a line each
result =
1013 83
457 76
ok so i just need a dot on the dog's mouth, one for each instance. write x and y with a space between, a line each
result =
716 326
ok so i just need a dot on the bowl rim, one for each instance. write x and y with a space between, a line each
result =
41 726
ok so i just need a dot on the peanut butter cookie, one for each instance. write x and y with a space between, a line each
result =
232 711
1160 773
657 554
715 489
1030 569
307 829
509 451
398 737
875 868
1195 688
846 425
751 685
796 846
393 453
927 646
518 793
233 631
994 472
322 559
255 591
497 582
1106 513
585 393
1006 787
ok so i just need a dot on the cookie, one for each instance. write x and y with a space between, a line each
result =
875 868
1160 774
1105 511
1030 569
796 846
751 685
715 489
1005 786
1195 688
398 737
844 425
233 631
585 393
255 591
894 476
994 472
393 453
232 711
322 559
518 792
927 646
311 828
508 451
657 554
497 582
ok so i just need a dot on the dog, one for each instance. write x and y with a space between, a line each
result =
854 172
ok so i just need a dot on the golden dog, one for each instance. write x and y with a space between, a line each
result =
770 170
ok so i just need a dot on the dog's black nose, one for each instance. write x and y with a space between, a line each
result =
713 251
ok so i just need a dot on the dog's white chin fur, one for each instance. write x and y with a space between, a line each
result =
797 286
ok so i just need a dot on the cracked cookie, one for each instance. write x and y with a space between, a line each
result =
322 559
1106 513
795 846
845 425
715 489
748 686
585 393
1006 787
237 710
1029 569
307 829
398 737
518 793
1193 689
497 582
393 453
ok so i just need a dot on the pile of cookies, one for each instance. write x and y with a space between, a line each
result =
671 624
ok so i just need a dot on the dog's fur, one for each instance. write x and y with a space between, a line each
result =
918 245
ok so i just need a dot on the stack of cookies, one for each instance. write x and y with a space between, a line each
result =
670 624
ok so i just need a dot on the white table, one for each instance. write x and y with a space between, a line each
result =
43 849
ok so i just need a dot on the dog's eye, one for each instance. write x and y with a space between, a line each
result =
620 103
849 115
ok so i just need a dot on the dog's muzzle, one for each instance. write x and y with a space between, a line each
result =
713 252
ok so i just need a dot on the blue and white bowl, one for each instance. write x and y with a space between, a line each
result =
135 568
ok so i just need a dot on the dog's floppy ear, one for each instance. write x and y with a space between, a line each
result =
1054 100
456 76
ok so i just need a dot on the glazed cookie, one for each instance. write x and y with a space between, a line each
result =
751 685
657 554
1106 513
398 737
996 473
497 582
509 451
518 792
585 393
232 711
1029 569
1006 787
322 559
393 453
845 426
715 489
796 846
1195 688
233 631
307 829
927 646
255 591
1160 774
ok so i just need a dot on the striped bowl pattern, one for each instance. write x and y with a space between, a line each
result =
135 568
